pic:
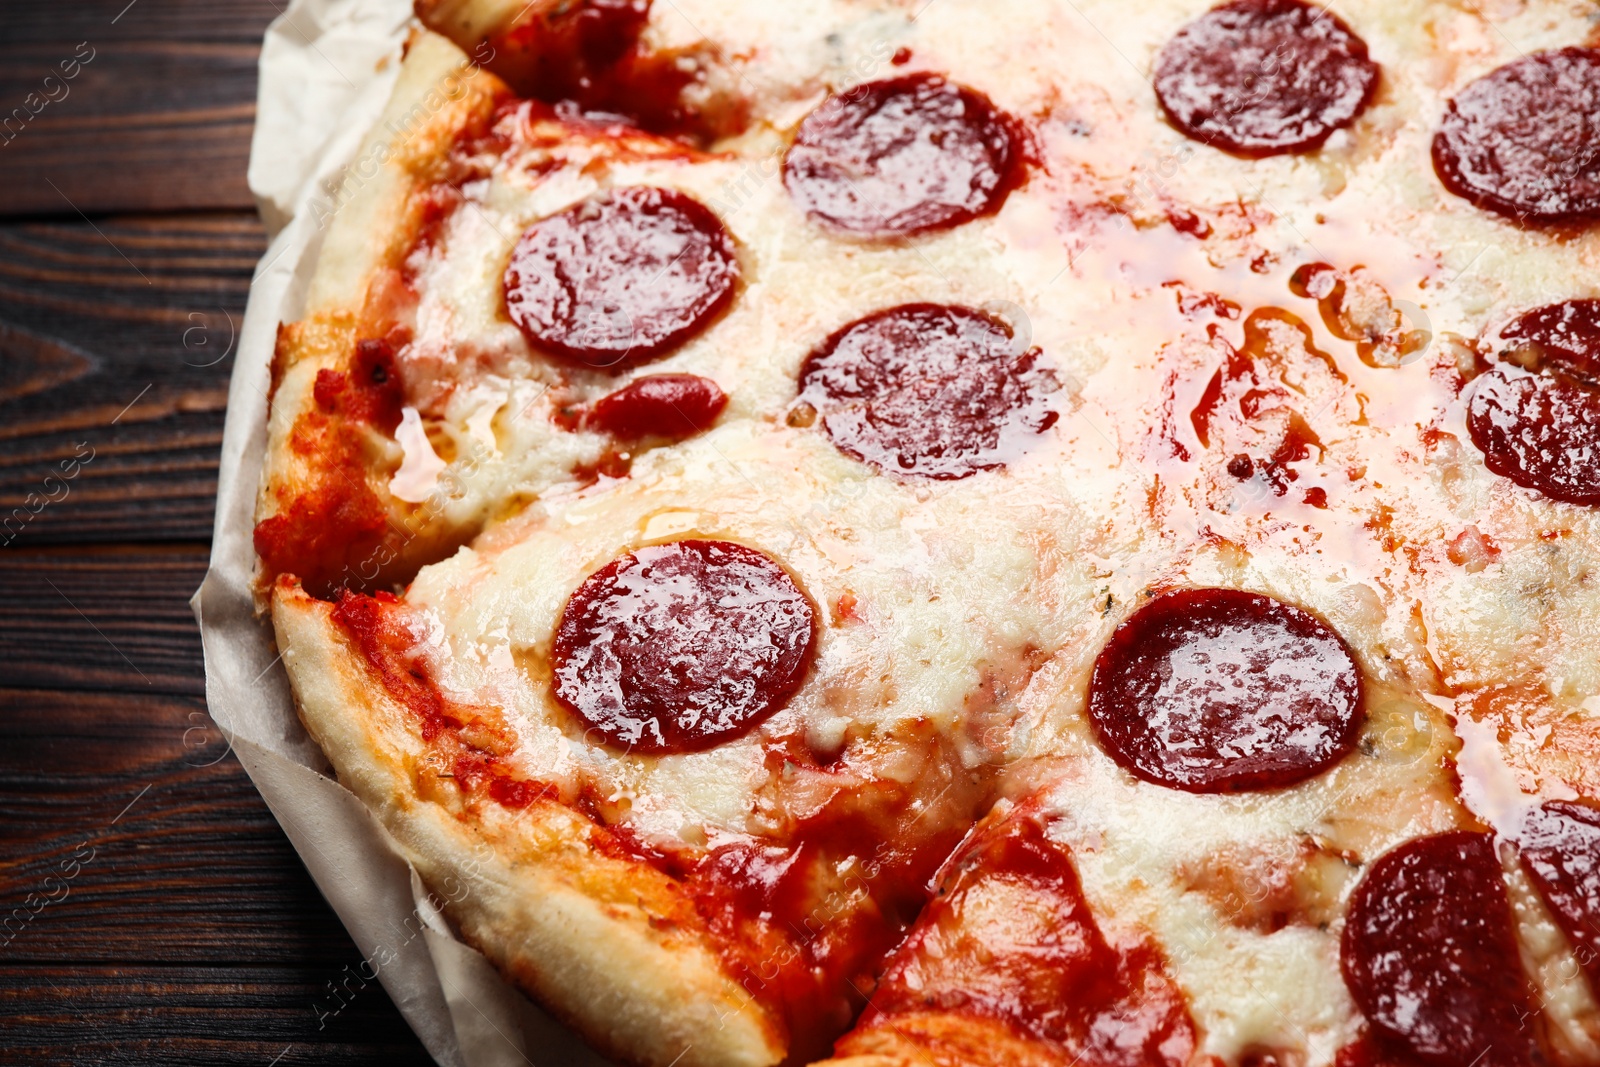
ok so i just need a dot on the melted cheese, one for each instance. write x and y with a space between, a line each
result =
934 612
1008 583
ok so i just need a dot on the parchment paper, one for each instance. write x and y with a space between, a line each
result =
327 67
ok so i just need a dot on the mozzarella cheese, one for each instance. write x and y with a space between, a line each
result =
1453 586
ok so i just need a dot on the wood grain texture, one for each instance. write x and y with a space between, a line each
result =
116 620
200 1015
198 21
151 909
115 348
142 840
156 115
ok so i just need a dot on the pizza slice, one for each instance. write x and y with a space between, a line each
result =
434 386
702 686
1008 964
329 509
857 519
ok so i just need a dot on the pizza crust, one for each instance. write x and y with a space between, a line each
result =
609 945
474 21
440 90
584 932
940 1039
323 461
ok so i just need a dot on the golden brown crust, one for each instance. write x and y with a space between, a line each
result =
609 944
942 1039
440 92
325 512
472 22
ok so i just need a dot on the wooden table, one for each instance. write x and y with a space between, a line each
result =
151 911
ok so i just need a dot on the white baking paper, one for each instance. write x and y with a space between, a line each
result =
327 67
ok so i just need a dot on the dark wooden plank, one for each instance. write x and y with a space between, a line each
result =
115 349
98 149
156 114
142 840
209 21
115 620
107 1016
153 911
189 932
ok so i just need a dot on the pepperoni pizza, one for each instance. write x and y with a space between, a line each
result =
1025 533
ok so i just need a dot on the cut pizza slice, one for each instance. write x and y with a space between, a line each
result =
407 412
1255 853
1009 965
343 443
767 678
681 539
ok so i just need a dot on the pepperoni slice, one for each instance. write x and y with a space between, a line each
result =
1010 937
681 646
621 278
585 56
929 391
1430 956
1217 691
1535 415
1264 77
1560 845
659 405
902 156
1524 140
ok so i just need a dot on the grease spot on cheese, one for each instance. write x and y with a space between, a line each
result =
994 594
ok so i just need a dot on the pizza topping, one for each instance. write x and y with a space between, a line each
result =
331 536
1535 415
838 895
681 646
1253 408
334 531
1355 306
1560 845
1218 690
1264 77
1524 140
600 60
371 391
389 647
1270 884
1568 332
587 36
467 746
621 278
660 405
1367 1051
902 156
1431 958
806 914
928 391
565 51
1011 938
